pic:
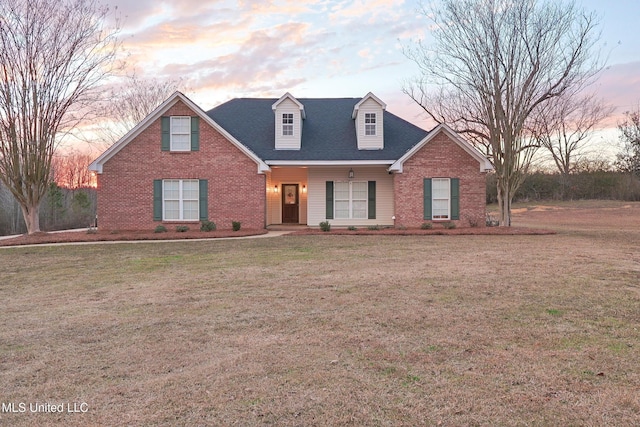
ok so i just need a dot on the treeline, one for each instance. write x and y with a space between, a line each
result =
61 209
598 184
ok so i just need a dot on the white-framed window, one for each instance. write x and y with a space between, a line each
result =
180 200
350 199
180 133
370 124
441 198
287 124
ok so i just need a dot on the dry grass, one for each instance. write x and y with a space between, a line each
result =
333 330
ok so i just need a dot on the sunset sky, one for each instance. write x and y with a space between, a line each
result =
323 48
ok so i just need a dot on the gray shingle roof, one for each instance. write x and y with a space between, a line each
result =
328 132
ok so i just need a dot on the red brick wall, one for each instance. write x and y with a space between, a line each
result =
439 158
125 188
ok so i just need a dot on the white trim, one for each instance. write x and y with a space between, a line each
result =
364 99
172 132
97 164
329 162
350 200
485 165
433 199
292 98
181 199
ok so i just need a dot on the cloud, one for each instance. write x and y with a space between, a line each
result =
268 58
256 47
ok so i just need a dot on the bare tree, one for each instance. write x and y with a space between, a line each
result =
131 102
494 62
563 127
53 55
71 170
629 159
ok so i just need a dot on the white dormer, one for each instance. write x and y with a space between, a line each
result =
368 114
289 113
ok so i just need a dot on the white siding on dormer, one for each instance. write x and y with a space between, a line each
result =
370 142
288 142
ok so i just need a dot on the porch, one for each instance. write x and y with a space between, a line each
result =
298 195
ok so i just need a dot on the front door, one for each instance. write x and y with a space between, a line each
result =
290 205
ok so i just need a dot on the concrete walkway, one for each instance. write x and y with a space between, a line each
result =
270 233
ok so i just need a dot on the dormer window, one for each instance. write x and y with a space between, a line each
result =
287 124
370 124
368 114
288 117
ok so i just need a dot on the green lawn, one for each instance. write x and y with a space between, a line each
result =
332 330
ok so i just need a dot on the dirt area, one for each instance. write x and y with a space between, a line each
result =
124 235
103 236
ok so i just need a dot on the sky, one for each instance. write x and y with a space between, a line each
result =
323 48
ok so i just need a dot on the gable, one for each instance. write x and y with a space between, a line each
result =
483 163
186 108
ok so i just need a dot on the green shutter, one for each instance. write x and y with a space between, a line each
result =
195 133
372 200
329 195
427 198
455 198
166 133
204 200
157 200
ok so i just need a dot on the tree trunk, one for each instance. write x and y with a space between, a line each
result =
31 217
504 204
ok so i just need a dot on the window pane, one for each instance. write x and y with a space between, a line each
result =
359 190
359 209
180 142
342 209
190 210
171 190
190 190
171 209
341 191
370 130
441 209
180 125
440 188
287 130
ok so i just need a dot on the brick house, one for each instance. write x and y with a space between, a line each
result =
287 161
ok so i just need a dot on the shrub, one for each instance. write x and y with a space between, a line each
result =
160 229
351 228
426 226
235 225
473 222
325 226
208 226
182 228
491 221
449 225
373 227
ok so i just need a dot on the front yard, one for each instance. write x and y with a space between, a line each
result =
331 330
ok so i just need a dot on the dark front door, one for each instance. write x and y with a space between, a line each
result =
290 205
